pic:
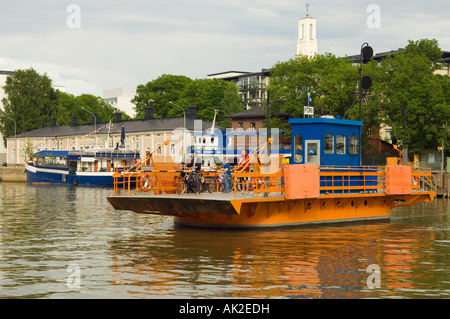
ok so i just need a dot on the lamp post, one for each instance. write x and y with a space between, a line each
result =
95 124
184 128
15 136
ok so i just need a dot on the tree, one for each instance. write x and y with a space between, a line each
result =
207 95
411 98
330 80
30 99
158 93
231 104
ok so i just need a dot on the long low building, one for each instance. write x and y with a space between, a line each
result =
143 135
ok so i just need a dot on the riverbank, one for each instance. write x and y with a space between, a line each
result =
13 174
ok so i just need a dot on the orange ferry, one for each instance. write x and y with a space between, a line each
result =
314 187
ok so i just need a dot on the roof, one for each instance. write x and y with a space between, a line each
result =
379 56
53 153
324 120
253 112
132 126
235 75
3 72
258 111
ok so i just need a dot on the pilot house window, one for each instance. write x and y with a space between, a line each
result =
298 148
329 144
340 144
353 145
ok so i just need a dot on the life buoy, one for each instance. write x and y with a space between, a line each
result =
146 183
75 182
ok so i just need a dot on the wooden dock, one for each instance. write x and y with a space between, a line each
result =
442 184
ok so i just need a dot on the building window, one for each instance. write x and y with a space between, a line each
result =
311 32
240 126
388 134
159 151
329 144
172 148
340 144
252 126
353 145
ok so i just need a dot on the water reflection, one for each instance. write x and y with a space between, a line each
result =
127 255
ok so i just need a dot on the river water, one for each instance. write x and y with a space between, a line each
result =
67 242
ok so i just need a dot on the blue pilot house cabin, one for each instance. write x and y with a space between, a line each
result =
326 141
335 145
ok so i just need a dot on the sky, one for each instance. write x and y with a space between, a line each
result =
91 46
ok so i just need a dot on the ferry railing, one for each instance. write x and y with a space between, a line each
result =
422 179
334 180
351 179
126 175
260 183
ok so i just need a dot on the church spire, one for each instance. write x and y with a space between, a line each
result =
307 40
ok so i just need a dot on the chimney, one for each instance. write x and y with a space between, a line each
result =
149 113
117 117
192 112
73 121
94 118
42 124
53 122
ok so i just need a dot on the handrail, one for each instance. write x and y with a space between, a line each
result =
134 171
340 180
333 180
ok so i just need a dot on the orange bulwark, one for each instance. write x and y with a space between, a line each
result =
292 195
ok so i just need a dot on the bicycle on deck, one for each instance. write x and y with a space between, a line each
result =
216 183
190 182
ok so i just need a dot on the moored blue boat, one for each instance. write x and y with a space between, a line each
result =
94 168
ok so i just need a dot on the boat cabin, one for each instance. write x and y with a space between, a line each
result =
326 141
79 161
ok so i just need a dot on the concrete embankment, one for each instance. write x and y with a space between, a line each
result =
13 174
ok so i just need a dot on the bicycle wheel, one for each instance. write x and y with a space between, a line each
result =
211 186
181 187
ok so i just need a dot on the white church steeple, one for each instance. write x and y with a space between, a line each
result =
307 41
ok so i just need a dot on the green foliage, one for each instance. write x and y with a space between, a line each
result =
405 85
30 100
231 104
158 93
70 105
207 95
331 81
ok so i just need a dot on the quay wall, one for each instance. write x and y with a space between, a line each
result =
13 174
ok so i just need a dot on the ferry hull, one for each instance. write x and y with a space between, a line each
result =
209 211
55 176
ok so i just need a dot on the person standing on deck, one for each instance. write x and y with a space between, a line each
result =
226 175
244 166
196 164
